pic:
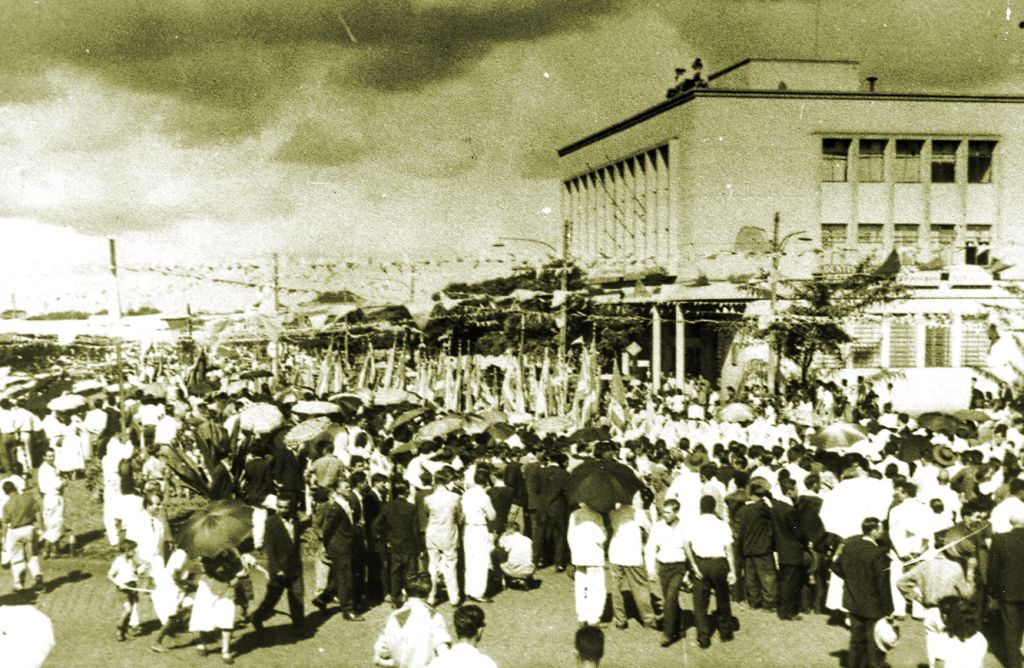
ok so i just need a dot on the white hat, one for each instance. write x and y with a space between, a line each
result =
886 635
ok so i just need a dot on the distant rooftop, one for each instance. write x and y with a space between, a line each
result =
781 77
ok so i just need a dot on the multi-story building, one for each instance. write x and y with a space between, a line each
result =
689 188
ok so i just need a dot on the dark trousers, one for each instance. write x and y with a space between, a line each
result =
7 443
277 586
791 583
376 572
864 653
1012 615
759 580
341 572
400 571
670 576
714 578
552 530
359 559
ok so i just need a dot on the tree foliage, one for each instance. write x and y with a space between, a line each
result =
814 318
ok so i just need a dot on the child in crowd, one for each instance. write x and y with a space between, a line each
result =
125 573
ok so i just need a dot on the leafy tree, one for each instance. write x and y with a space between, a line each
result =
813 322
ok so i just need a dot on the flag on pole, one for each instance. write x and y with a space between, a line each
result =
389 370
618 409
540 401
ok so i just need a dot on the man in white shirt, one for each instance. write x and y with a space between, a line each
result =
666 559
1009 506
710 550
414 635
51 487
166 428
909 523
477 543
469 627
586 538
442 536
626 564
518 567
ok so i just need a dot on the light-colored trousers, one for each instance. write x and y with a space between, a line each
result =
590 594
443 562
19 545
477 545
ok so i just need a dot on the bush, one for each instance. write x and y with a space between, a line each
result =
61 315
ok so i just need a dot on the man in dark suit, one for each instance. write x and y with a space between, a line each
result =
789 544
553 511
358 485
373 497
808 510
502 498
396 531
531 480
755 538
1005 583
339 535
282 543
864 567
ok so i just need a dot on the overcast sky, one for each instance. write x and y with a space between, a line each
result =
199 129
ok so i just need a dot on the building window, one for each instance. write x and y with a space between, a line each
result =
944 160
979 161
977 241
905 235
902 344
871 160
834 157
976 344
936 346
869 234
908 161
942 235
867 344
833 236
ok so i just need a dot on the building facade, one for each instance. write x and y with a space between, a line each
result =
689 189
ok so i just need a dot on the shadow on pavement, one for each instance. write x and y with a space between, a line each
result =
280 634
68 578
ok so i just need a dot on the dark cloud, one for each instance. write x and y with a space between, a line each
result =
312 144
244 57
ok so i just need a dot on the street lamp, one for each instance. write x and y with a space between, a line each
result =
777 248
564 284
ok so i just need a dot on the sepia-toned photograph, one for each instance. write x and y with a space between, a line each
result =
518 333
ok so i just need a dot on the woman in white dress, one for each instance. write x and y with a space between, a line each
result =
214 606
51 487
172 594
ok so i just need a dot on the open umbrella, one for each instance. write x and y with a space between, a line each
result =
940 422
315 408
972 415
26 635
308 431
390 396
551 425
255 374
260 418
493 416
602 483
89 386
912 447
500 432
440 427
220 526
408 416
736 412
839 435
66 402
590 435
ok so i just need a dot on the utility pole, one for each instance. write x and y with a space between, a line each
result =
122 426
275 355
778 247
564 286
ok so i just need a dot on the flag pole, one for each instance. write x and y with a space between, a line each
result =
122 426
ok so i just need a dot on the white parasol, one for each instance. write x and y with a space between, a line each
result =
315 408
851 502
261 418
26 636
66 402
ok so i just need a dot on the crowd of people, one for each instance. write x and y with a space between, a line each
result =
730 508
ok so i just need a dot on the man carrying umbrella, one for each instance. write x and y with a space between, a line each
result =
282 542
